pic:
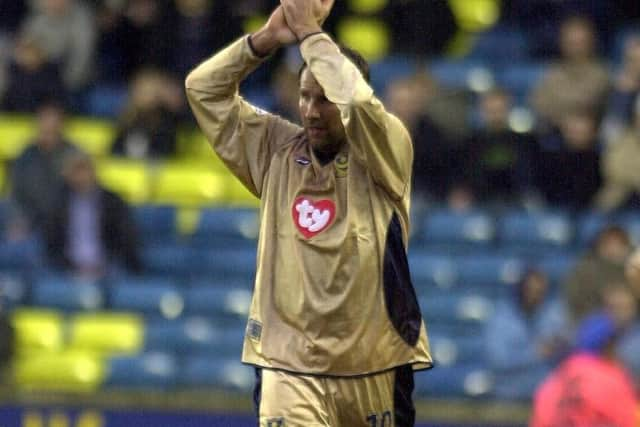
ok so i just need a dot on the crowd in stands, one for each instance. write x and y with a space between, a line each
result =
581 152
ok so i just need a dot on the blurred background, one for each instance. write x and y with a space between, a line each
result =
127 251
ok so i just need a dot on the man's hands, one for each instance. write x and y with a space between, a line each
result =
274 34
290 22
306 16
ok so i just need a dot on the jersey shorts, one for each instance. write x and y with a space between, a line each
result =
286 399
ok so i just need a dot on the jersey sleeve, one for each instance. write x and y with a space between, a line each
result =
377 138
244 136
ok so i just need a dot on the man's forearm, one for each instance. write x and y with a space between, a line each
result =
262 43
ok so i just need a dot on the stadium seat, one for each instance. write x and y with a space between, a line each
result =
389 69
94 136
456 308
460 380
230 374
227 264
460 74
172 259
129 178
453 229
429 270
519 78
238 195
588 224
22 255
488 271
451 350
107 332
195 336
157 224
106 100
557 267
192 146
222 303
186 185
500 46
630 220
524 232
67 293
16 132
149 370
13 290
4 178
151 296
221 227
38 330
68 371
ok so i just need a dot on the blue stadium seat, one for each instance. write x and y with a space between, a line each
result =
24 255
175 260
228 263
106 100
151 296
488 271
588 224
460 380
535 233
557 267
229 374
467 229
429 270
195 336
222 303
13 290
450 350
67 293
630 220
463 75
225 227
456 309
389 69
500 45
149 370
519 78
156 223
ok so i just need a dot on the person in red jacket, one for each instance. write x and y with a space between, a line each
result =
590 388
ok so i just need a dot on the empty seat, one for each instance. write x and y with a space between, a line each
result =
557 267
465 75
175 260
488 271
455 308
156 223
389 69
16 132
450 350
69 371
446 227
195 335
185 184
525 232
152 296
149 370
228 263
502 45
38 330
107 332
129 178
94 136
67 293
460 380
231 374
13 289
223 226
428 270
520 78
630 220
222 303
588 224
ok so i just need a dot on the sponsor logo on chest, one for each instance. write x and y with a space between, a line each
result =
312 217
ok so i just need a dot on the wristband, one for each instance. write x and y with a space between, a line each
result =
253 49
306 36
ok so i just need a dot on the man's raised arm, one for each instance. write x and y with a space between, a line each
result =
244 136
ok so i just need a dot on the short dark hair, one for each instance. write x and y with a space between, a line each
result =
354 56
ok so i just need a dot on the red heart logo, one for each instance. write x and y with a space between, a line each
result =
312 217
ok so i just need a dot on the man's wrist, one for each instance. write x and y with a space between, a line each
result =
262 43
305 32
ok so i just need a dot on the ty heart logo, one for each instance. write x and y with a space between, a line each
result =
311 217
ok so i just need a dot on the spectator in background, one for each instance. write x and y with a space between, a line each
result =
31 79
603 264
620 303
632 274
590 388
501 162
65 29
148 126
525 337
7 347
578 81
201 27
620 169
568 166
622 100
36 174
137 35
284 86
91 229
420 28
436 164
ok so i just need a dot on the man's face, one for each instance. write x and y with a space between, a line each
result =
320 117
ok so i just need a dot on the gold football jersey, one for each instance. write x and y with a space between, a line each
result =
333 295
